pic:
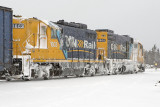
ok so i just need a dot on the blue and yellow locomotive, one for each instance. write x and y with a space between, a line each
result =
46 49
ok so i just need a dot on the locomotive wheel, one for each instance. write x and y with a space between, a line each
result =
93 74
8 79
77 76
135 71
26 79
45 78
65 76
123 69
92 71
114 72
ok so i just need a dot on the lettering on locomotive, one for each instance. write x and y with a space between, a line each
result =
54 44
18 26
71 42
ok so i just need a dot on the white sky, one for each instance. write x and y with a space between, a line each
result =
138 18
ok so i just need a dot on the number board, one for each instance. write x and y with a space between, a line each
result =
18 26
101 40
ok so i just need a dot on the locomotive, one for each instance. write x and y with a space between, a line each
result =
47 49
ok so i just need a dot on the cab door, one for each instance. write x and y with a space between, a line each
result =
43 36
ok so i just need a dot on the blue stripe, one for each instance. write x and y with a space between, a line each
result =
64 51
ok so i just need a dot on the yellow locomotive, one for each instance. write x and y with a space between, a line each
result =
45 49
41 50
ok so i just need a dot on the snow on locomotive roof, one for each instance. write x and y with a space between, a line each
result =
19 17
49 23
53 24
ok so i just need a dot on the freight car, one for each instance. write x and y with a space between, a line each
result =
46 49
5 39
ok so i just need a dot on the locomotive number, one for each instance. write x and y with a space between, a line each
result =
18 26
53 44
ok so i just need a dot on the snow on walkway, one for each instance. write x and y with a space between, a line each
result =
133 90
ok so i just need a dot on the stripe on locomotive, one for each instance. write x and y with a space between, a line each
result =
57 61
81 51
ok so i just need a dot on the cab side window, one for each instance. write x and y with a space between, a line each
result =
53 33
43 30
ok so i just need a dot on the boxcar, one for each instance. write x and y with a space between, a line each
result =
5 38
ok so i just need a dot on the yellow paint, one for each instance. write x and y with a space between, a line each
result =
54 60
140 56
80 51
102 46
32 34
119 53
80 44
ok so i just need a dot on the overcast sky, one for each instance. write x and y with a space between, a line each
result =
137 18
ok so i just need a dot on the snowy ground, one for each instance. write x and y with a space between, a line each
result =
135 90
